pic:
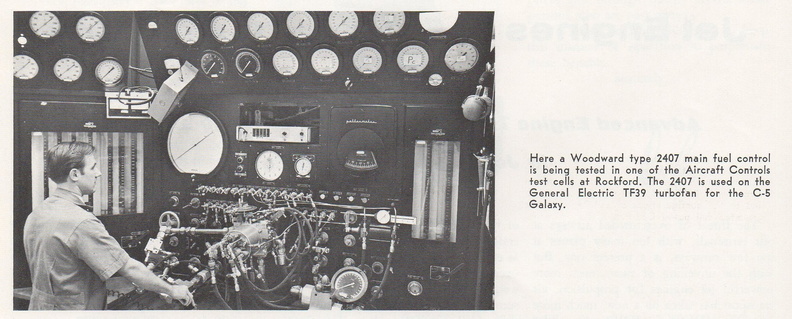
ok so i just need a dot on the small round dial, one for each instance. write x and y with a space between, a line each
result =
415 288
350 217
187 30
269 165
324 61
260 26
461 57
109 72
412 59
300 24
67 69
223 28
349 284
45 24
25 67
285 62
349 240
389 22
212 64
367 60
383 216
90 28
343 23
303 166
247 63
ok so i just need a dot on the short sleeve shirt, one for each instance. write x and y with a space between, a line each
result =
70 254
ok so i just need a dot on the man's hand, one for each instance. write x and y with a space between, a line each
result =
182 294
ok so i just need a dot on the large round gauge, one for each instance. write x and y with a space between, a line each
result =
187 30
349 284
367 60
223 28
285 62
269 165
248 63
260 26
195 144
302 166
343 23
300 24
324 61
25 67
90 28
461 57
212 64
389 22
45 24
109 71
412 58
67 69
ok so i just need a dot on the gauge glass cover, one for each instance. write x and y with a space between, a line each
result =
389 22
247 63
187 31
90 29
300 24
343 23
461 57
269 165
67 70
367 60
412 59
109 72
285 62
223 28
260 26
195 144
303 166
212 64
45 24
25 67
324 61
349 284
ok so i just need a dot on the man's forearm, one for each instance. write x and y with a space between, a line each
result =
137 273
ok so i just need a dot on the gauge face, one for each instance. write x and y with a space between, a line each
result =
45 24
67 69
25 67
343 23
195 144
300 24
223 28
248 63
324 61
349 241
412 59
367 60
212 64
269 165
303 166
435 79
187 30
461 57
349 284
90 29
415 288
383 216
389 22
109 72
285 62
350 217
260 26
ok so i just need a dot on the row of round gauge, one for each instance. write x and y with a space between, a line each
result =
68 69
300 24
44 24
460 57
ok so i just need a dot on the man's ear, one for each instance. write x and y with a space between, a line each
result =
74 174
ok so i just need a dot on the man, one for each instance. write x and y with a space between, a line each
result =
70 253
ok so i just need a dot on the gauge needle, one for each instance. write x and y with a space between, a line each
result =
299 25
260 25
342 21
246 65
194 145
45 23
221 29
344 286
67 70
210 67
108 72
89 29
22 68
188 31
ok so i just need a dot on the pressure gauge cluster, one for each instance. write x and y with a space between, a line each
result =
90 27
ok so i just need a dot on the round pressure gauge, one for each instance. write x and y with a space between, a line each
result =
302 166
109 71
285 62
343 23
383 216
222 28
367 60
389 22
269 165
461 57
187 30
415 288
67 69
349 241
212 64
90 28
324 61
412 59
300 24
350 217
195 144
25 67
247 63
349 284
45 24
260 26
